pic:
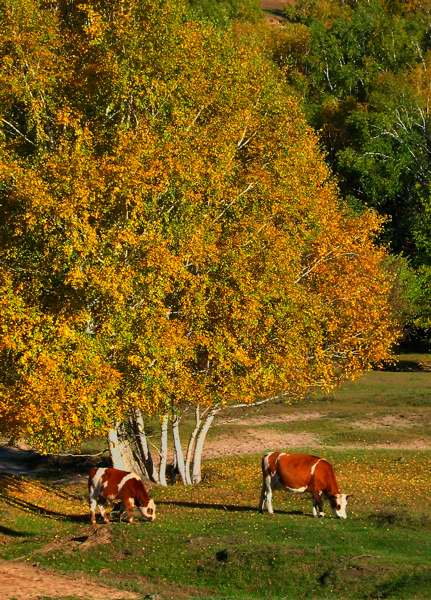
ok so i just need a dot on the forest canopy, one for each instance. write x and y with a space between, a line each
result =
362 69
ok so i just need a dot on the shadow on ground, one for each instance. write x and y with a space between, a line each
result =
225 507
13 533
13 492
408 366
27 462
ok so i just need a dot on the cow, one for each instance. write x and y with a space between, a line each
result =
108 484
302 473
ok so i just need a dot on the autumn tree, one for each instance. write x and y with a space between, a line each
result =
172 239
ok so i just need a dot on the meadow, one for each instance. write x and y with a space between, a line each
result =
210 541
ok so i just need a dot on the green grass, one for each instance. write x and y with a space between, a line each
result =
404 396
210 541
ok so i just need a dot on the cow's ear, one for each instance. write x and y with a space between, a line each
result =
348 496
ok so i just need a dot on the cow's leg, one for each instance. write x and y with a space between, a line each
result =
93 507
318 505
129 504
262 497
92 501
103 512
267 493
315 507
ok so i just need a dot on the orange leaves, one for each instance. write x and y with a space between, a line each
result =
94 26
175 238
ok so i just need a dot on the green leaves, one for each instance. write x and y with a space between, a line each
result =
365 78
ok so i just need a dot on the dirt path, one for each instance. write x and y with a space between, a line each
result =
253 441
21 581
250 438
270 419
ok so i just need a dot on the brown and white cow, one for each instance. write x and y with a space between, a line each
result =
302 473
107 484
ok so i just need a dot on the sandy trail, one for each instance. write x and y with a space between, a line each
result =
253 441
22 581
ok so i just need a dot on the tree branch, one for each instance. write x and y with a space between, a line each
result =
84 455
252 404
12 126
247 189
326 258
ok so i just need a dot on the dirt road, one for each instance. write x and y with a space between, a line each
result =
22 581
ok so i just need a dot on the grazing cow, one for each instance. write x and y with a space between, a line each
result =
107 485
302 473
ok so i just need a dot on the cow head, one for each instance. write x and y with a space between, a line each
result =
339 505
149 511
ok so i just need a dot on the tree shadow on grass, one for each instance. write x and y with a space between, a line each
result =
225 507
13 533
406 366
45 512
16 483
13 486
18 461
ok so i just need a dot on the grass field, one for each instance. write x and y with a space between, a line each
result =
210 541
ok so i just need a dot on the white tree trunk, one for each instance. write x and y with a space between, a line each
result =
179 456
129 448
197 460
163 450
142 443
121 455
191 445
114 448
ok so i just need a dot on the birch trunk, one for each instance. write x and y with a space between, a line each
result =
142 443
121 454
114 449
179 456
197 459
130 451
163 450
191 445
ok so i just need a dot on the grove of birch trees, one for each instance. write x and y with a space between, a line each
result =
172 240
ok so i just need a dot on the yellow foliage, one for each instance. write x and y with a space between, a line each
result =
174 235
